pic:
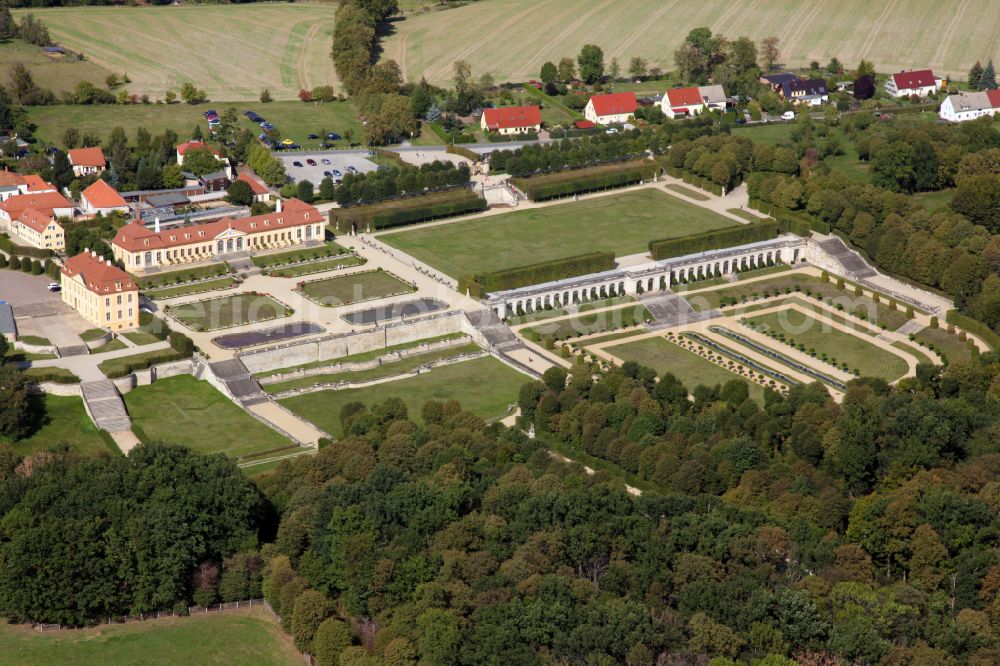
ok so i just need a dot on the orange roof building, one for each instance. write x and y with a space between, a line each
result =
87 161
140 248
512 119
102 293
38 229
101 198
259 189
50 203
613 108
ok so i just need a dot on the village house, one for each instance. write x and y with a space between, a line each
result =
38 229
47 203
183 148
87 161
806 91
102 293
512 119
969 106
12 184
610 109
776 81
259 189
919 82
685 102
100 197
140 248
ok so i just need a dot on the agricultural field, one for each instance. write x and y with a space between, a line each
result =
485 387
894 35
620 223
294 120
183 410
52 73
222 638
692 370
232 52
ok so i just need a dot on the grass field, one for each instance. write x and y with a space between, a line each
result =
221 639
353 288
59 76
294 120
230 51
65 422
948 344
226 311
663 356
195 288
484 386
620 223
947 37
183 410
859 354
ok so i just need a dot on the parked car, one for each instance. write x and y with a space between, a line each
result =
611 130
211 112
313 136
325 161
336 173
287 142
351 168
296 163
54 286
294 146
327 174
788 115
333 136
741 121
311 162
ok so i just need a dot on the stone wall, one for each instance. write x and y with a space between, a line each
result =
35 349
52 388
94 344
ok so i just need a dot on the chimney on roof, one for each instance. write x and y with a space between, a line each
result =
156 224
109 262
278 206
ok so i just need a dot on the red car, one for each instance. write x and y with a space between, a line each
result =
311 162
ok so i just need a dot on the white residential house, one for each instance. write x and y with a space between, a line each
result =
969 106
611 109
687 102
919 82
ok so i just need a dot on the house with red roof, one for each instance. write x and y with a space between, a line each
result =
187 146
260 191
969 106
87 161
687 102
51 204
102 293
13 183
919 82
611 109
140 248
38 229
100 197
512 119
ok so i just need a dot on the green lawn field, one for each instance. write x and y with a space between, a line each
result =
226 311
65 422
221 639
484 386
620 223
353 288
858 353
294 120
54 74
186 411
894 35
691 369
230 51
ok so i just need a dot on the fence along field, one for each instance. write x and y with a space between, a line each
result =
230 51
894 34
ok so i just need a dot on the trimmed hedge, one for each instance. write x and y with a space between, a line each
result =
121 367
408 210
54 375
547 271
713 240
800 224
464 152
590 179
10 247
978 328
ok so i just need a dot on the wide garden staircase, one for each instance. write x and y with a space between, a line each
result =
497 334
244 388
668 309
72 350
853 263
105 406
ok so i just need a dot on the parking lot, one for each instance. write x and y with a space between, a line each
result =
39 311
339 160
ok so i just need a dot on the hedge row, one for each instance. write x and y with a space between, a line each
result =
713 240
522 276
573 132
10 247
126 366
389 154
978 328
54 375
407 210
464 152
789 222
590 179
688 177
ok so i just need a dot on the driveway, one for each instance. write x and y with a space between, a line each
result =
339 160
39 311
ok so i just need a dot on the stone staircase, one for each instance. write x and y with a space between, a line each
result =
73 350
238 381
670 309
853 263
497 334
105 406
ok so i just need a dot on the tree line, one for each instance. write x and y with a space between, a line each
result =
390 182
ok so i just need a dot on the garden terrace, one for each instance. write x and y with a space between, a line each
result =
588 324
354 288
228 311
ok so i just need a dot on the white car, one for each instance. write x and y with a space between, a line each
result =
788 115
54 286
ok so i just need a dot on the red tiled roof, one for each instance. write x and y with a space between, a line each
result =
43 202
11 179
512 117
583 124
35 219
133 237
102 195
98 275
88 157
684 97
255 185
994 97
37 184
918 78
614 104
194 145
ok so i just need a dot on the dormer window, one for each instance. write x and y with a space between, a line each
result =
173 238
187 236
146 242
253 225
281 220
307 216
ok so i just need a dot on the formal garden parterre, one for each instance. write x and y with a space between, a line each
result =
228 311
354 288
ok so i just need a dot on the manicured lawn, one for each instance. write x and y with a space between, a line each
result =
115 367
194 288
587 324
111 345
33 340
663 356
687 191
385 370
92 334
746 215
848 163
948 344
48 374
770 133
65 422
224 639
856 352
364 286
317 266
184 275
186 411
621 223
304 254
141 337
227 311
916 352
484 386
